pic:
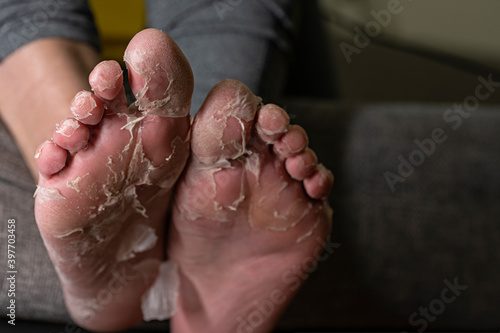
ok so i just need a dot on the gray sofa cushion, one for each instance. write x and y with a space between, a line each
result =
404 241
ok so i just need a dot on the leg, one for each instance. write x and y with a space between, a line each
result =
56 67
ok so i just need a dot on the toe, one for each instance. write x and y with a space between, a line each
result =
107 82
107 79
159 74
303 165
71 135
87 108
292 143
222 127
272 123
320 183
50 158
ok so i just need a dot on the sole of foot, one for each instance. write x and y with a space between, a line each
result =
249 209
106 179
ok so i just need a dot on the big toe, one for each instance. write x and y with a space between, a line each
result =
223 125
159 73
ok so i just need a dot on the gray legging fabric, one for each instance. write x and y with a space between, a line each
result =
23 21
244 40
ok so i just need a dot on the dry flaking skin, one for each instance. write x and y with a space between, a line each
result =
136 239
74 184
139 172
68 127
159 301
83 98
101 227
103 84
262 192
47 194
238 171
149 74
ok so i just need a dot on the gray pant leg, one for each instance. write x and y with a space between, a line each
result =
23 21
244 40
38 293
37 290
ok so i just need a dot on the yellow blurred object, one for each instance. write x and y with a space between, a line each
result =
118 21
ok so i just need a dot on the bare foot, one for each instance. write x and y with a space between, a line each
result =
106 180
249 209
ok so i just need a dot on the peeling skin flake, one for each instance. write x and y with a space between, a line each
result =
288 216
68 127
253 165
112 83
143 103
159 301
69 233
329 212
138 238
129 126
46 194
309 233
240 147
156 106
76 108
131 123
241 198
73 184
239 106
37 155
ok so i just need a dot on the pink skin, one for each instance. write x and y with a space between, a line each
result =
225 234
93 190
